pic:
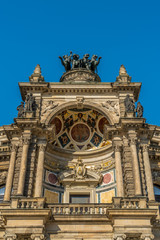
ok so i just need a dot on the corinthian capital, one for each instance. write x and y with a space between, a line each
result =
144 147
117 148
26 140
147 237
42 147
37 236
10 236
133 141
14 148
119 237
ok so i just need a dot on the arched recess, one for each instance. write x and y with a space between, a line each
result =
73 104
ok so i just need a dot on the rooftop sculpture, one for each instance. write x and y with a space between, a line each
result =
73 61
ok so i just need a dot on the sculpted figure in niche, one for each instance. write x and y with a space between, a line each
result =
20 110
66 62
29 103
94 62
129 104
139 110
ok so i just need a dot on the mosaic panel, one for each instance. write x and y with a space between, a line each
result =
79 130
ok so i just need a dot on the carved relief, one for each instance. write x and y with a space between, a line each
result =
112 106
47 106
3 176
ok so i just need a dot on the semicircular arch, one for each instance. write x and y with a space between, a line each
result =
73 104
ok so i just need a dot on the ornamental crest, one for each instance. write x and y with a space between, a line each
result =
80 169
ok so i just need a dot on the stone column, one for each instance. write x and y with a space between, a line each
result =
119 174
148 173
119 236
23 167
147 237
37 236
136 171
9 181
40 169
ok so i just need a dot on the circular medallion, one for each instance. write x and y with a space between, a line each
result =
101 124
80 132
52 178
107 178
57 123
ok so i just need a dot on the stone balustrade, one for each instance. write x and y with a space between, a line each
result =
80 209
74 209
28 203
130 203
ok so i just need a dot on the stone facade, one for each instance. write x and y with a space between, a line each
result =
79 162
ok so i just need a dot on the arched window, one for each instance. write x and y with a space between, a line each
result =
2 190
157 193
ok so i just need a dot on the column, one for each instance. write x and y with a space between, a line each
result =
148 173
119 174
23 167
136 172
9 181
40 169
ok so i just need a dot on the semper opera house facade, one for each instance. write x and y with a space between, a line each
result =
80 161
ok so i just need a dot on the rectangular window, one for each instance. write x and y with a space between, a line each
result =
79 198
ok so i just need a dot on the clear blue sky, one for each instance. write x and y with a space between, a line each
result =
38 31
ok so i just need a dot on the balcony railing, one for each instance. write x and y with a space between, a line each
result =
79 209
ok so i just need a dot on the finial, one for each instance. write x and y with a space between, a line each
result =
36 76
122 70
123 75
37 69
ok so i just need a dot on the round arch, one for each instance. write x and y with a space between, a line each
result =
73 104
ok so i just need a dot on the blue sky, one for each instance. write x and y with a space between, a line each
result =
38 31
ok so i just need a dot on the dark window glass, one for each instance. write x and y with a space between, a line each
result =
79 198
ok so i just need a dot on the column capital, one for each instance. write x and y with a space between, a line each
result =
37 236
10 236
119 237
147 237
14 148
117 148
42 147
133 140
144 147
26 140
